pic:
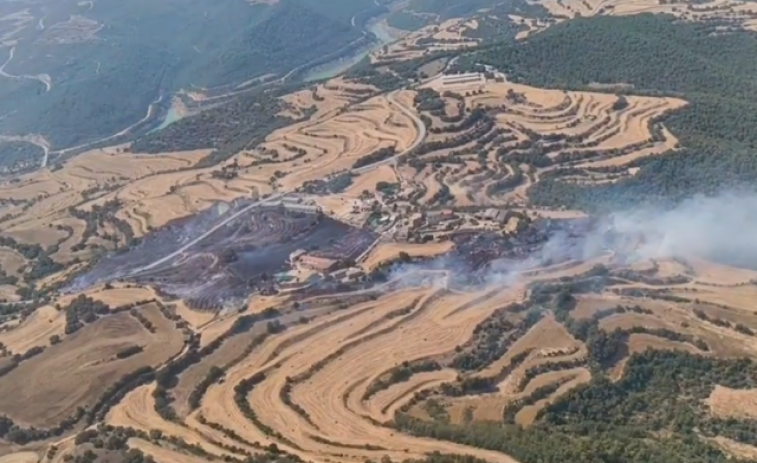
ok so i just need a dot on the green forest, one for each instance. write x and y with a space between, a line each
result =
17 157
659 56
655 413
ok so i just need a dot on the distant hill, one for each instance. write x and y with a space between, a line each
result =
108 60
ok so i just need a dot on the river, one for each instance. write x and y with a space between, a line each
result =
172 115
331 69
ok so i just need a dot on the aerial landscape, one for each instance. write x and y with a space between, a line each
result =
349 231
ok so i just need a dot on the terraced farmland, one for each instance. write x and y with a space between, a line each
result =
372 280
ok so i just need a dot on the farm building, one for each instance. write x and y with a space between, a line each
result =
319 264
434 218
467 78
496 215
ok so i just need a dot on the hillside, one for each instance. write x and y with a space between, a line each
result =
653 55
547 259
92 70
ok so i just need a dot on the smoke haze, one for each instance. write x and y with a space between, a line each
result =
721 228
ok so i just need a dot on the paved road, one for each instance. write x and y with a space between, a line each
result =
228 219
418 140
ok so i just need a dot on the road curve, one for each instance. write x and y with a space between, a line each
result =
390 97
217 226
418 139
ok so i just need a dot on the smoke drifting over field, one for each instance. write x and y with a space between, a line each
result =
719 228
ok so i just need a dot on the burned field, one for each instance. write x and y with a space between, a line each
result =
546 242
477 255
221 258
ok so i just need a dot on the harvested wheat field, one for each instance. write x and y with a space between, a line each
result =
742 13
85 362
136 410
603 136
335 143
34 331
387 252
449 35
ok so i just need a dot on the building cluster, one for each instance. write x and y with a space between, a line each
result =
297 204
439 223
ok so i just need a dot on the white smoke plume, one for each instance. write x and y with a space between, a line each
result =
721 228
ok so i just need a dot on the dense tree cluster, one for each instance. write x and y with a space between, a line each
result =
83 310
379 155
655 55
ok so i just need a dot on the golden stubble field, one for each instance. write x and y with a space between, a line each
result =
733 13
447 36
311 398
599 134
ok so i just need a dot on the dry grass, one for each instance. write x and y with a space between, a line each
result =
34 331
385 252
11 261
481 408
725 402
20 457
736 449
75 372
114 297
587 306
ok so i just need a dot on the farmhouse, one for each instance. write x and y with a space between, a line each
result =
319 264
435 218
495 215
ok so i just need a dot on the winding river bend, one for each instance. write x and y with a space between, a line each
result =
378 27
